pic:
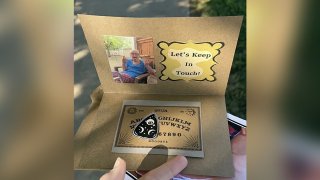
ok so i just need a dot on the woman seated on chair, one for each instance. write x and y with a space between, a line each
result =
134 67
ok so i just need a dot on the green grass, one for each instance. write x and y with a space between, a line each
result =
236 89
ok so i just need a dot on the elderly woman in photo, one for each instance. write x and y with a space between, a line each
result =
134 67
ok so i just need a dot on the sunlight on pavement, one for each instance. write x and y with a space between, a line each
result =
185 4
147 1
77 90
77 6
134 7
80 54
76 20
81 112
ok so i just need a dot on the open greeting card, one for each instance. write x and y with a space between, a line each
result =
164 81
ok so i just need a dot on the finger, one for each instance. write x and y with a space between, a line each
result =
182 176
118 171
141 173
243 131
167 170
238 145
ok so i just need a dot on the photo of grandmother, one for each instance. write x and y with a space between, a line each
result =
131 59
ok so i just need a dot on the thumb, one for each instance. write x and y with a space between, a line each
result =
118 171
167 170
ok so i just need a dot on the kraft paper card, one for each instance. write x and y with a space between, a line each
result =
145 124
163 83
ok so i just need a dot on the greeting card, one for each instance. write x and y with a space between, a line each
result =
164 81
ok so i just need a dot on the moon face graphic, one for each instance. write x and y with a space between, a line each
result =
148 127
150 121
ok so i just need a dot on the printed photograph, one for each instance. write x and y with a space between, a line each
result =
131 59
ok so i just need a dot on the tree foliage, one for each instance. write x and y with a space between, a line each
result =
116 42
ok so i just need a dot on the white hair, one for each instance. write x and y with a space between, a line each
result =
134 51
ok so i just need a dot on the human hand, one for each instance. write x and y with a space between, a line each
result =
124 59
239 154
164 172
147 62
171 168
118 171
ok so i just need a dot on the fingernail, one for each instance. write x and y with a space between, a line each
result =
116 164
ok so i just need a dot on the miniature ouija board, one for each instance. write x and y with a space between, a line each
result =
159 127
